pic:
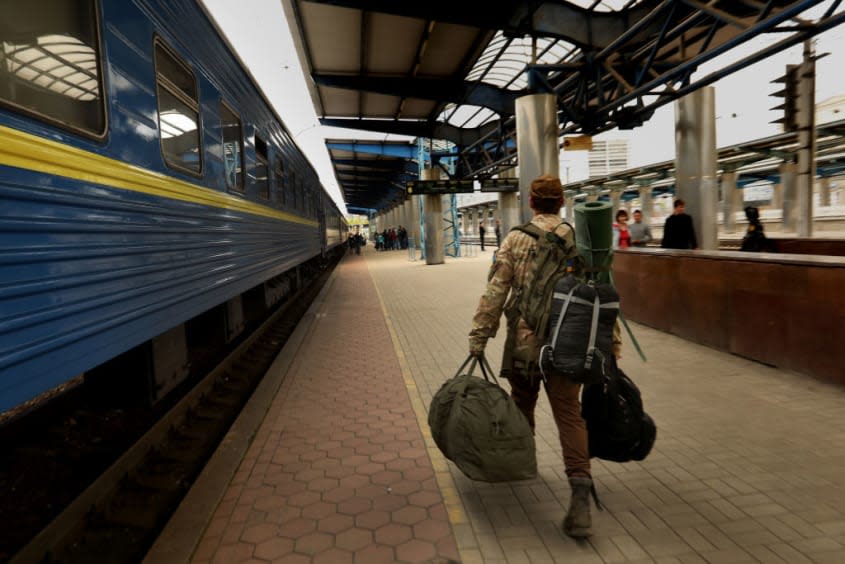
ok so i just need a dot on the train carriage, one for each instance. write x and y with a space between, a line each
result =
144 180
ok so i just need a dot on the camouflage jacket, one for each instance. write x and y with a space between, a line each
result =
507 273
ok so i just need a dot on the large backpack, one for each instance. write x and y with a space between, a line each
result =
580 341
553 259
618 428
477 425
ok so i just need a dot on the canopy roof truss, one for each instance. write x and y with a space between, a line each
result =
426 70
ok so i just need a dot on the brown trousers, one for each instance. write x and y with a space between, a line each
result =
564 398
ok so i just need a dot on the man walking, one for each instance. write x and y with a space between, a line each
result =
509 271
481 232
678 231
640 232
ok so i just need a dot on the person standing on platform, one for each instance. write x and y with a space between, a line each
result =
519 365
481 232
678 231
621 235
640 232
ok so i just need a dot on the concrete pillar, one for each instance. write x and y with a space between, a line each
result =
476 219
730 200
628 207
616 201
695 162
805 174
824 191
537 143
646 204
433 206
569 204
508 206
788 182
416 207
777 195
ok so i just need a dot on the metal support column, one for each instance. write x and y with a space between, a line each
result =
806 118
695 162
730 200
646 204
788 187
537 143
508 206
433 213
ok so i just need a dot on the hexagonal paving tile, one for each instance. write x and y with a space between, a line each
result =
375 555
258 533
406 487
409 515
386 477
314 543
354 481
424 498
323 484
273 548
333 556
432 530
416 551
369 468
303 498
353 539
389 502
297 528
354 506
393 534
319 510
308 475
372 519
335 523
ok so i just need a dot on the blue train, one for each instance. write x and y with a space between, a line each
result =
149 195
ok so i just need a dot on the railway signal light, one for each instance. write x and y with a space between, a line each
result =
789 93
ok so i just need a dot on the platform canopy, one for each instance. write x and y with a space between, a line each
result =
436 70
372 174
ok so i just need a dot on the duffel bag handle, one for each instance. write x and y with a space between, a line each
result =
481 361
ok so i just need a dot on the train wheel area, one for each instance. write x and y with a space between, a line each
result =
94 470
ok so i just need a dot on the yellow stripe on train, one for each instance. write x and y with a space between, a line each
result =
30 152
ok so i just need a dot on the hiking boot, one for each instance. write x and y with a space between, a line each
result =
578 523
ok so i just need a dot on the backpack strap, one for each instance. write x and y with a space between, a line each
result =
536 232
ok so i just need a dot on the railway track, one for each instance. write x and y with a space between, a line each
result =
120 514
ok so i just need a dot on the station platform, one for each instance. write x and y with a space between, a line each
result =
333 460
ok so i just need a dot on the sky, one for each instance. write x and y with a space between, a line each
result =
258 31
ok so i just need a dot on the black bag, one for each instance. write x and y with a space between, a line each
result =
477 425
618 428
579 345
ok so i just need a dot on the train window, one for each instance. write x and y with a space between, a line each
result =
279 173
233 148
50 62
262 168
178 111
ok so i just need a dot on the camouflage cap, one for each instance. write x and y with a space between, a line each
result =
546 187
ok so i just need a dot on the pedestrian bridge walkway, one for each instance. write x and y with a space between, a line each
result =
748 465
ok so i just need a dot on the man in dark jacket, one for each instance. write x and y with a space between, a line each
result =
678 231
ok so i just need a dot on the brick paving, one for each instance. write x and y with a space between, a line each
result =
338 471
748 464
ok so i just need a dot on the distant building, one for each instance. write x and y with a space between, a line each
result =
608 157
